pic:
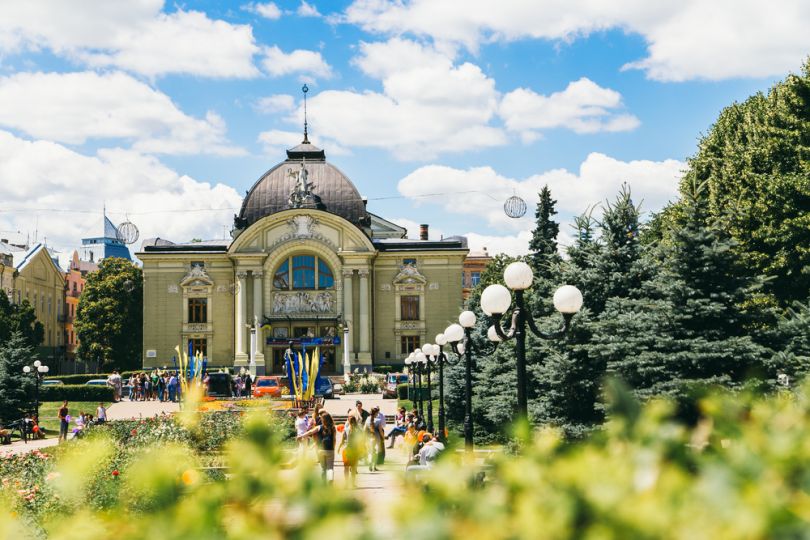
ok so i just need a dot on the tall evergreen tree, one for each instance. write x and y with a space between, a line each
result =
543 244
20 318
16 388
109 321
687 324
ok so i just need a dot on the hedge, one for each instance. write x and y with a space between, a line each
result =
75 392
402 390
80 378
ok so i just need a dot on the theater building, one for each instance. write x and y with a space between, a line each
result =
307 263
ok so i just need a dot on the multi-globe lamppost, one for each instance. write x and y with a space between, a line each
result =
39 371
496 300
415 366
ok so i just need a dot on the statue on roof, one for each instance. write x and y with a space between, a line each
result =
302 196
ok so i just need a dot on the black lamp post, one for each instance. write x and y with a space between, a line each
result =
417 365
458 336
422 358
496 300
39 370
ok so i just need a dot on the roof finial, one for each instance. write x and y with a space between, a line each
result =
305 89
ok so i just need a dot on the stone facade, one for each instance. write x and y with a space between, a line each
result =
327 274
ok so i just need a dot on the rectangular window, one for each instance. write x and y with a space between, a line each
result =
408 344
200 345
304 332
475 278
198 310
281 332
409 308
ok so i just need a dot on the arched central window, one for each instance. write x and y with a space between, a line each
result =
302 272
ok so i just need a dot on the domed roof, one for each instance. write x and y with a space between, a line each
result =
323 187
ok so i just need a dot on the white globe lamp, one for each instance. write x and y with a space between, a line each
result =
454 333
37 363
467 319
492 334
568 300
495 300
440 339
27 369
518 276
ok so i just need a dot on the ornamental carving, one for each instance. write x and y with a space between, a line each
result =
408 274
303 302
197 277
302 227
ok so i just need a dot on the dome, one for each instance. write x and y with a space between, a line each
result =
324 187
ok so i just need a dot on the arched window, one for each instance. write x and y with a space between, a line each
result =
303 272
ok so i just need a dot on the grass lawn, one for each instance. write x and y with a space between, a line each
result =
48 413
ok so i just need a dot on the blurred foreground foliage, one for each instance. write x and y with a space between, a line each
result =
739 469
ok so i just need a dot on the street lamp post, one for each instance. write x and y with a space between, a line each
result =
438 350
458 335
424 359
496 300
39 372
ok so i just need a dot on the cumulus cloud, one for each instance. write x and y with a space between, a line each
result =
483 190
686 39
157 199
428 105
584 107
275 103
135 35
267 10
74 107
306 9
278 63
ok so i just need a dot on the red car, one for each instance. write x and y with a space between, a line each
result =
267 386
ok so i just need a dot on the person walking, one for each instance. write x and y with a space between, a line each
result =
352 448
371 428
64 421
326 434
248 385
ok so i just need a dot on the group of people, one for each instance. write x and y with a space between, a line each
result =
153 386
363 439
82 421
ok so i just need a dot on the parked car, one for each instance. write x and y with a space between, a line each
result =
324 387
391 382
220 385
51 382
96 382
267 386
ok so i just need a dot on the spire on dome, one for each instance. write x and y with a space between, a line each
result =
305 89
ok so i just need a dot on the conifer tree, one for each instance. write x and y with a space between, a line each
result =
543 245
685 325
16 388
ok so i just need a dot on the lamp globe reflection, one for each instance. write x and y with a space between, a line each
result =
568 300
492 334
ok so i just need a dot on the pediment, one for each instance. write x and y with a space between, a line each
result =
197 277
408 273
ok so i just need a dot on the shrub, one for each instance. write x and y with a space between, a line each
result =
75 392
80 378
402 390
383 369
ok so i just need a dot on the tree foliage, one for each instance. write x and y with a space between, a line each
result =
20 318
109 320
755 161
16 388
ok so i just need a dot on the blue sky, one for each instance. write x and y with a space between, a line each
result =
170 112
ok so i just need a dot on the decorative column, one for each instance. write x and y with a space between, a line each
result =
241 312
258 318
365 350
348 315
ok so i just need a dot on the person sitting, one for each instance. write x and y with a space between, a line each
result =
400 427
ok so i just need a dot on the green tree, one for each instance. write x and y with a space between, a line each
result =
109 320
686 325
16 388
543 244
20 318
755 161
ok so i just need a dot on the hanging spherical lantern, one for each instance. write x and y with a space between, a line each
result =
515 207
127 233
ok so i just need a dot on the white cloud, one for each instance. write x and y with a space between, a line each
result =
686 39
275 103
74 107
412 227
157 199
268 10
278 63
306 9
584 107
428 104
135 35
482 191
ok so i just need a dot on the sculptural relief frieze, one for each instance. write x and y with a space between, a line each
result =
303 302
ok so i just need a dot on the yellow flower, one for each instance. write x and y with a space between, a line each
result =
190 476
